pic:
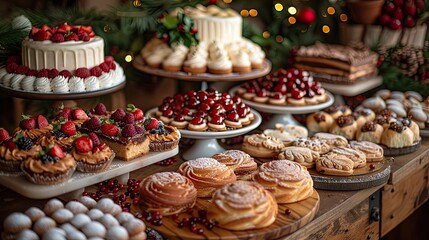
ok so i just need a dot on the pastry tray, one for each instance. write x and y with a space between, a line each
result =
401 151
18 183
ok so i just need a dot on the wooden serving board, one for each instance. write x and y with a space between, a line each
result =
300 214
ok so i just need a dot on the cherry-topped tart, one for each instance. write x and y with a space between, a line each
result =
197 124
233 120
217 123
179 121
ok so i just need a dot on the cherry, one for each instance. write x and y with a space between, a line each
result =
192 103
163 107
217 120
262 93
398 14
242 112
204 107
197 121
296 94
268 85
179 97
395 24
168 113
236 99
211 90
215 111
281 88
409 22
201 114
290 85
318 91
282 79
179 118
209 101
310 93
229 107
233 116
202 95
190 93
218 106
168 100
177 107
186 112
226 95
277 95
389 7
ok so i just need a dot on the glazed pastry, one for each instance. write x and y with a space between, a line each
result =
242 205
261 145
373 152
319 122
384 120
301 155
397 136
338 110
357 156
370 131
167 192
335 164
316 145
288 181
374 103
332 140
207 174
344 125
363 115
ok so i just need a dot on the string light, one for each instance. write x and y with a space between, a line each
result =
326 29
266 34
324 15
291 20
128 58
343 17
278 7
253 12
291 10
227 1
137 3
279 39
244 13
331 10
106 28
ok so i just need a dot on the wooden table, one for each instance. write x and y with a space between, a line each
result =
342 214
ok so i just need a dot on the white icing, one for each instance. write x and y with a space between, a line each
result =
15 82
7 78
76 84
2 73
159 54
177 57
43 84
60 84
91 83
119 74
28 83
106 79
241 59
219 60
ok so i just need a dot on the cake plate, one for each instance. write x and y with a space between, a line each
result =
283 113
75 185
206 144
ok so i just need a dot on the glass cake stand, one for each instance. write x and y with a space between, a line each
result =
206 144
283 114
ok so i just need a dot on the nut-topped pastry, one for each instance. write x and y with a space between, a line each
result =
316 145
261 145
288 181
384 120
357 156
13 151
397 135
243 205
90 154
207 174
304 156
413 127
335 164
373 152
344 125
370 131
33 127
319 122
167 192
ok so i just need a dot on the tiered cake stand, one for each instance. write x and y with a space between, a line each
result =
282 114
206 144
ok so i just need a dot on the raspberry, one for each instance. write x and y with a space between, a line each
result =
139 129
53 73
11 67
22 70
113 66
129 130
82 72
42 35
96 71
43 73
105 67
72 37
94 138
14 59
100 109
57 38
32 73
65 73
128 118
83 36
109 59
93 123
118 115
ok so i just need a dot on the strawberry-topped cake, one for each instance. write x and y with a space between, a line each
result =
204 110
61 59
63 134
162 137
293 87
91 154
33 127
99 111
13 151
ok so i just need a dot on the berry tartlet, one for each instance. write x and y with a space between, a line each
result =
162 137
62 134
33 127
51 166
90 154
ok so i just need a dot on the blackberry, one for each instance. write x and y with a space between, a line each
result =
47 158
58 134
24 143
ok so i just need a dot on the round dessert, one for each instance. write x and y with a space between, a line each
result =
62 134
243 205
397 135
319 122
373 152
332 140
288 181
335 164
304 156
370 131
162 137
167 192
207 174
33 127
261 145
91 155
344 125
338 110
13 151
53 167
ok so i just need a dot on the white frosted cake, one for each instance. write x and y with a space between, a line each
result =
68 55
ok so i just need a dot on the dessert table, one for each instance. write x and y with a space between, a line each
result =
361 214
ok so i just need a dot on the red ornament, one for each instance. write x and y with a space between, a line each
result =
307 15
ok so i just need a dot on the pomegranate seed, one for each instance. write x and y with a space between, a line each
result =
180 224
175 216
210 226
372 166
193 227
135 201
200 231
185 220
190 210
288 211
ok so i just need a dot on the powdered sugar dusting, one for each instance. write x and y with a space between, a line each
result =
205 163
167 178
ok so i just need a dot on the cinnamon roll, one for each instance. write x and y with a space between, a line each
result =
288 181
243 205
207 174
167 192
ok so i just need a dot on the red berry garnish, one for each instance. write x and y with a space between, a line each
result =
233 116
10 144
197 121
151 124
129 118
56 151
168 113
128 130
100 109
82 72
27 123
57 38
277 95
83 144
93 123
79 114
43 73
4 135
296 94
109 129
72 37
69 128
118 115
21 69
179 118
104 67
94 138
217 120
65 73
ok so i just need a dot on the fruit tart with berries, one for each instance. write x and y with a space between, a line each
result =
62 134
100 111
33 127
162 137
90 154
13 151
51 166
128 141
76 115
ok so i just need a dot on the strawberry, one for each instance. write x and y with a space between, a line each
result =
151 124
45 28
10 144
82 72
53 73
22 70
42 121
27 123
91 34
83 36
34 30
42 35
65 73
96 71
104 67
66 113
94 138
72 37
75 28
83 144
43 73
79 114
138 113
57 38
87 29
11 67
56 151
4 135
69 128
109 129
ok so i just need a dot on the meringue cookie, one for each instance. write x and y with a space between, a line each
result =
15 82
28 83
106 79
91 83
60 84
6 79
76 84
43 84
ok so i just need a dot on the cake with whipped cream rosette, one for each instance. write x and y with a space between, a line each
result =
221 48
61 59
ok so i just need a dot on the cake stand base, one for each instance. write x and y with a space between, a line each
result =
203 148
280 118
